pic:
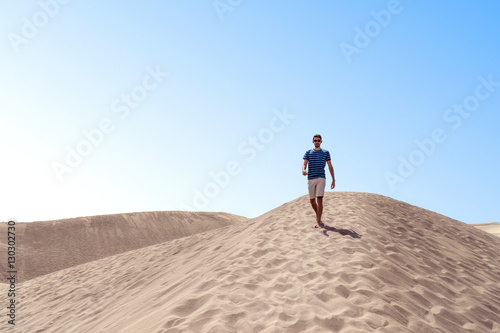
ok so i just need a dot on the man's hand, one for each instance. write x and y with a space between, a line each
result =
304 172
333 184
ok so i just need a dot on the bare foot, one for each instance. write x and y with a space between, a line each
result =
320 224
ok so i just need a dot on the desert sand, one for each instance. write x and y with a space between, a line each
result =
49 246
379 265
491 227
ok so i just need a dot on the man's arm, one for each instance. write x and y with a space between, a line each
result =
304 168
330 167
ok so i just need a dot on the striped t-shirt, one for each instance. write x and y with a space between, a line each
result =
316 163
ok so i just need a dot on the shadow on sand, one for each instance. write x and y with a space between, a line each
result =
343 232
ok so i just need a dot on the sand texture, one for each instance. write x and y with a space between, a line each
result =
379 265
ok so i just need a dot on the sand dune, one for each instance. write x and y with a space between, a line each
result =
48 246
379 265
491 227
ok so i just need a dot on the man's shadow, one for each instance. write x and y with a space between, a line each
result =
343 232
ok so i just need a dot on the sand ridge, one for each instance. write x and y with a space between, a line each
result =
491 227
47 246
380 265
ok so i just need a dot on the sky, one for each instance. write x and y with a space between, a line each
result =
115 107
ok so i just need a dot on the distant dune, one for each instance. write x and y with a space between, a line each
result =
379 265
491 227
48 246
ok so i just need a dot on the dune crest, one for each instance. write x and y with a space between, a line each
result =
380 265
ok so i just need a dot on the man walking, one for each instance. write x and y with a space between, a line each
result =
316 178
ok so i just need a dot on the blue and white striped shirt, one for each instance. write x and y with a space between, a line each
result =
316 163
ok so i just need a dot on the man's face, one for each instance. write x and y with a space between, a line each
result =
317 142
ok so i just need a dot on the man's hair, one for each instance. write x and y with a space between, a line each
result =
317 136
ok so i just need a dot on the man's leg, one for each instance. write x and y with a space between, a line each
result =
315 207
312 194
316 210
320 192
319 210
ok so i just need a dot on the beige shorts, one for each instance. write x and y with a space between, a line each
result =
316 187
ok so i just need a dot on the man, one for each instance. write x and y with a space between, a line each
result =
316 179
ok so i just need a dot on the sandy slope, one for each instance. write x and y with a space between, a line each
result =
48 246
380 265
491 227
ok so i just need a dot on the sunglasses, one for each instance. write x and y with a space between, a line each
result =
317 140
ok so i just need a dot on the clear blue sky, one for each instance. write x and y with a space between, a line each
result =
112 107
